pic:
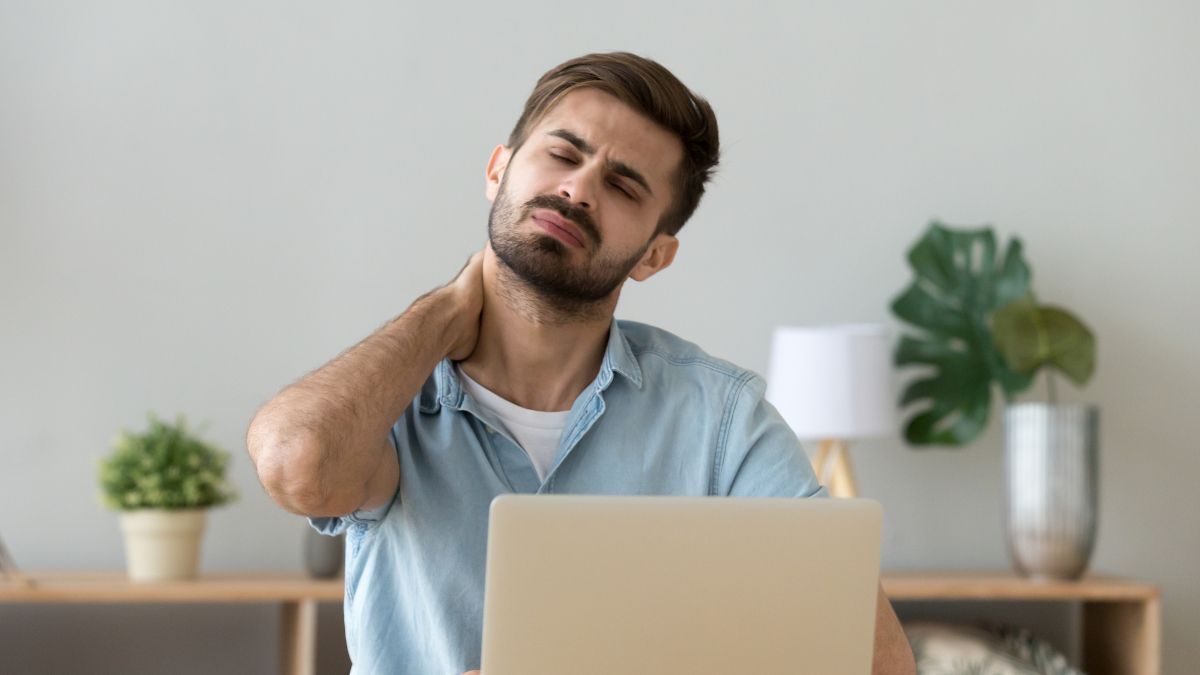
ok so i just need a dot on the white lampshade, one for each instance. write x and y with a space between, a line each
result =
833 382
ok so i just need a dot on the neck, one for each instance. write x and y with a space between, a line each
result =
530 351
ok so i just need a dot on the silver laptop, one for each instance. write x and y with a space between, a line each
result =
661 585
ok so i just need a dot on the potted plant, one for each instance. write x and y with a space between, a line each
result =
982 328
162 481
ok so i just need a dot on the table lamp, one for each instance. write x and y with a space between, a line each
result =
833 384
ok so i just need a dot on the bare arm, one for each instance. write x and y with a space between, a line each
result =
893 655
321 446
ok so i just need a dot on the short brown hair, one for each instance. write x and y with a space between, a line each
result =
653 91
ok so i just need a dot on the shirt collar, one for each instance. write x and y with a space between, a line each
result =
618 357
445 388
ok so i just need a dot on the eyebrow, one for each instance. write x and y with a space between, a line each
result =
619 168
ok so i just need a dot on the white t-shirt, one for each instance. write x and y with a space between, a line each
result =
538 433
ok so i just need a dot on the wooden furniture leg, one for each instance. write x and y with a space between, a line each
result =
821 461
299 639
1121 638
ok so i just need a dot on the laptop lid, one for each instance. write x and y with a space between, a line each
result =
595 585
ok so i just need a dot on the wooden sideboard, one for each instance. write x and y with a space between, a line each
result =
1121 618
296 595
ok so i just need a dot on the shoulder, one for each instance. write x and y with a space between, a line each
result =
661 353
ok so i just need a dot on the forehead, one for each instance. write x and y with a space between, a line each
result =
617 131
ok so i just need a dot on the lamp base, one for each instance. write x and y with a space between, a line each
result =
832 464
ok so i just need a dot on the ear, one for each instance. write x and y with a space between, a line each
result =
495 170
657 258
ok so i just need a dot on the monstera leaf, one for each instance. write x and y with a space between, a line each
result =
1031 336
958 283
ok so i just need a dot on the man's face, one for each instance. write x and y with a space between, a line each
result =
575 210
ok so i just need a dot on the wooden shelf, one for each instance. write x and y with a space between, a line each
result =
1000 586
1122 631
115 587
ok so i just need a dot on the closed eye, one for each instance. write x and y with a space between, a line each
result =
616 184
622 189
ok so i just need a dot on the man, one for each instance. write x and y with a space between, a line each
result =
516 378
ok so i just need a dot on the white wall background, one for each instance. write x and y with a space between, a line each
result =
200 202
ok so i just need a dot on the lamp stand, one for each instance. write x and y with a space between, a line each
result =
8 568
832 465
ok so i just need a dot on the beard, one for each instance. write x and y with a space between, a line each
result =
544 264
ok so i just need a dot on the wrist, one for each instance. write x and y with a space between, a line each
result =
443 313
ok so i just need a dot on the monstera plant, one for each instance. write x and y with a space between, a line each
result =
980 326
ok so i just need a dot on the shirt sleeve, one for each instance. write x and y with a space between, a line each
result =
759 455
336 525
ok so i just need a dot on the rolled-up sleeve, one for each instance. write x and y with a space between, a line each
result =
335 525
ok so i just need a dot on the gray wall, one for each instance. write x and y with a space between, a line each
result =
199 202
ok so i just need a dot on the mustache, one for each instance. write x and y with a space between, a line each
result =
567 210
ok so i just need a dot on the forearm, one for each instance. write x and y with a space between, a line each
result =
317 443
892 653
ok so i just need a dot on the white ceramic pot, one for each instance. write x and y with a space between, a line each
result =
162 544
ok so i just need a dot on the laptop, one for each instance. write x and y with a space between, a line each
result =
597 585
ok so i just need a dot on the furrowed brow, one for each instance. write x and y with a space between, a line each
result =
623 169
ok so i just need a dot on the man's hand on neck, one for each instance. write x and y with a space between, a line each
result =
526 352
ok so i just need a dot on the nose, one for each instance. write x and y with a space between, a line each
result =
567 195
576 187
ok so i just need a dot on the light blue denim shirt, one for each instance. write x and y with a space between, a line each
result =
661 418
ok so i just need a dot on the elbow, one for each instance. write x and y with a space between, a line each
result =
288 467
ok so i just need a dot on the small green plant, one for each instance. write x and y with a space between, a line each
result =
166 467
980 326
